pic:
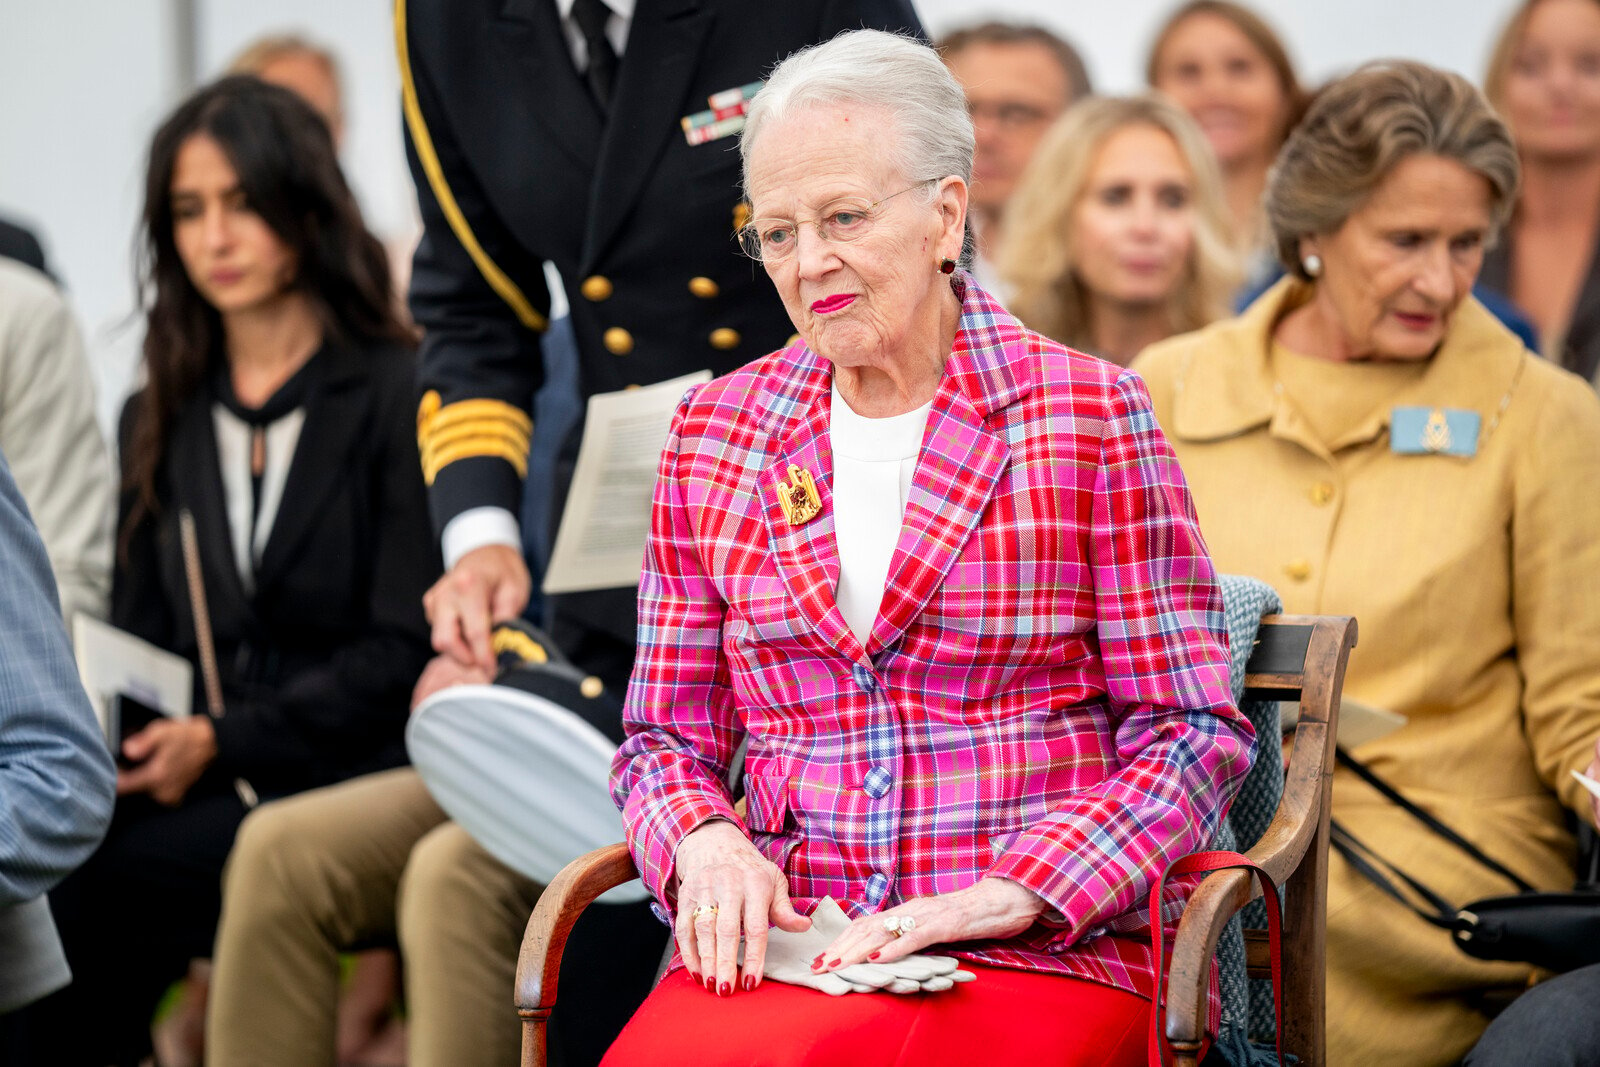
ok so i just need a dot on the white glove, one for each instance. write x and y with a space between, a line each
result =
789 959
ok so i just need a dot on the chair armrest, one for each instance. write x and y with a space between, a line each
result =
578 885
1299 825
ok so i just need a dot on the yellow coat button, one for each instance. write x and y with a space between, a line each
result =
703 287
1322 493
591 687
1298 569
725 339
596 287
618 342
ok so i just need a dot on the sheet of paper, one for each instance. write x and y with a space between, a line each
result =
1358 722
1588 783
113 662
600 544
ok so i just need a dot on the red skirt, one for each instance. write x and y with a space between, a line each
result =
1006 1016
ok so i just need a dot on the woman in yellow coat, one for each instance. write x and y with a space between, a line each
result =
1369 440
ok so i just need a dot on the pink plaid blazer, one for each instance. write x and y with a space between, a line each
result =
1044 695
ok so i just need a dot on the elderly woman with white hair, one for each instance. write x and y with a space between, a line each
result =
945 576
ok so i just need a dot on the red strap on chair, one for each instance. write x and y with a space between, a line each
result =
1200 863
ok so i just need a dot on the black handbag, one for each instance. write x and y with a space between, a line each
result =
1559 931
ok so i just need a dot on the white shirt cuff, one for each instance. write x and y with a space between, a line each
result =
477 527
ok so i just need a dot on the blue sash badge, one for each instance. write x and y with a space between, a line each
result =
1434 431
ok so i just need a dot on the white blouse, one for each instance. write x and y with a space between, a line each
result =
873 462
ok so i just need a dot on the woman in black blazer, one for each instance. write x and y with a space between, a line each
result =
278 413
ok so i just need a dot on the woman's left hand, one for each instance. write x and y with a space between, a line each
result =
171 755
993 907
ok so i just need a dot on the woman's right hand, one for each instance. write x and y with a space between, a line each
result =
735 890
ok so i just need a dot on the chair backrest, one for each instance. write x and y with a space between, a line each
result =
1300 659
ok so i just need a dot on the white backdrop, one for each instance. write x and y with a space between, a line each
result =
82 83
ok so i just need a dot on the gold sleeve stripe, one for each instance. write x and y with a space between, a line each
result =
515 641
479 431
477 411
433 419
470 428
423 142
494 447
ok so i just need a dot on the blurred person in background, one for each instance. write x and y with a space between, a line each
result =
1226 66
1371 441
1544 78
368 1030
277 413
49 434
21 244
1018 79
1117 236
302 67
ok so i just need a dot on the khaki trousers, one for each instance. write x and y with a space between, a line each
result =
364 862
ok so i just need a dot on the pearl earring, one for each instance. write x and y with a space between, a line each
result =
1312 265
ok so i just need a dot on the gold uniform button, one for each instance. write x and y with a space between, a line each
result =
596 287
703 287
1298 569
725 339
1322 494
591 687
618 342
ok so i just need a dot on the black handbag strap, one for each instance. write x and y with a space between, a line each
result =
1371 866
1366 774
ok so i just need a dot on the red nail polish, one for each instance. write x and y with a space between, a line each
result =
833 963
725 990
711 984
749 983
873 956
817 960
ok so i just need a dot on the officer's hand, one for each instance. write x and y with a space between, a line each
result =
487 585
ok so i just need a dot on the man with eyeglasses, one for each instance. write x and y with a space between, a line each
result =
1018 79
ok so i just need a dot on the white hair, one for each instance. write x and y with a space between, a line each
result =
933 132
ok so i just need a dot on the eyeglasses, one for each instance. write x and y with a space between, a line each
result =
847 219
1007 115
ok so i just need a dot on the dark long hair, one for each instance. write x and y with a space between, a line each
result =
284 157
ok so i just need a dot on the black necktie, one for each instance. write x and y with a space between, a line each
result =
591 16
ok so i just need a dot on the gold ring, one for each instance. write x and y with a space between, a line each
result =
704 911
899 925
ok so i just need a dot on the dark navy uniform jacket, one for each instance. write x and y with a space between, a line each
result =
515 164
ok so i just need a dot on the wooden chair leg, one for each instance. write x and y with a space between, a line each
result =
578 885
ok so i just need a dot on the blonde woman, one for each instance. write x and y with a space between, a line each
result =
1117 236
1544 79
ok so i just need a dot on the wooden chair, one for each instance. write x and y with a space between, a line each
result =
1299 658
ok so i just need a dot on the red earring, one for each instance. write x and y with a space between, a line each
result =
947 266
